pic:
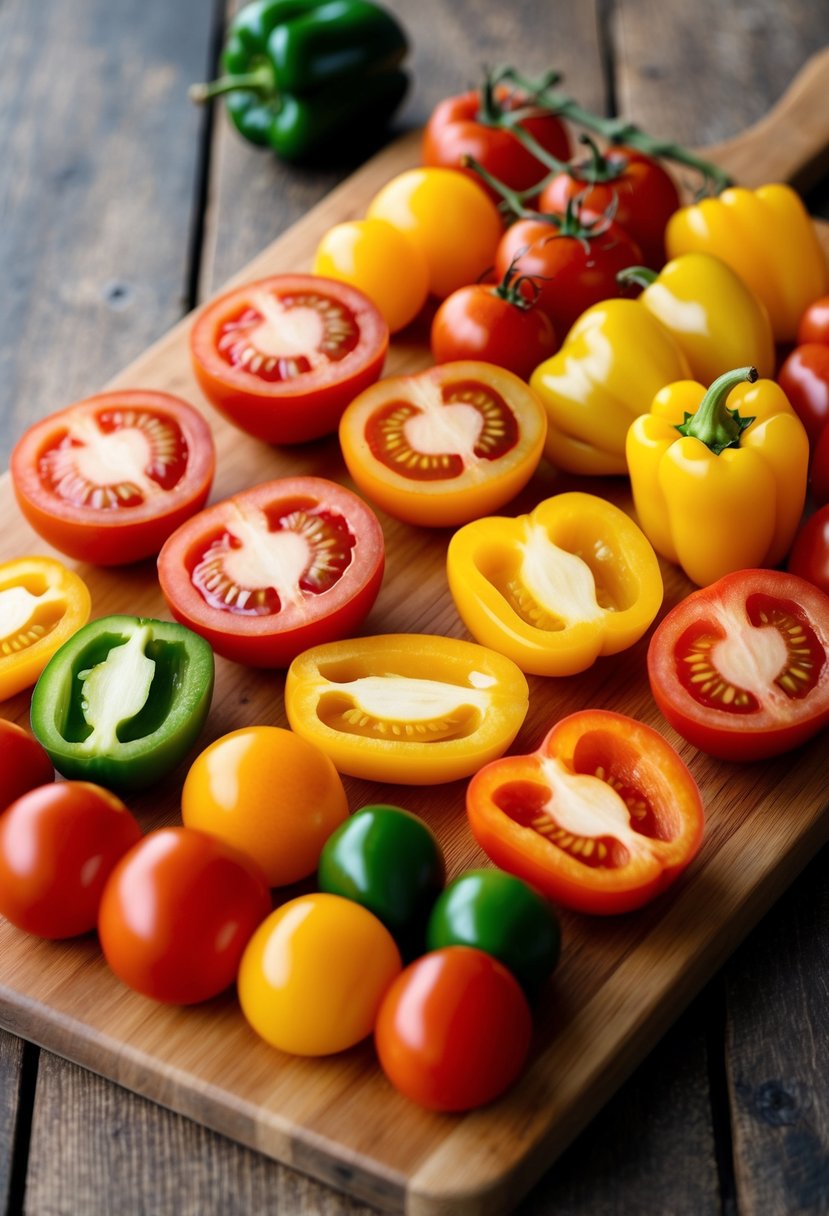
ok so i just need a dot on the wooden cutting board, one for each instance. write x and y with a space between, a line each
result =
620 983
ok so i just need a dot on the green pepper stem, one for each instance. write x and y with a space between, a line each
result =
260 80
639 276
713 423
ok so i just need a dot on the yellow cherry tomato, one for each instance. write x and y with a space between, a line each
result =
449 218
314 974
270 794
379 260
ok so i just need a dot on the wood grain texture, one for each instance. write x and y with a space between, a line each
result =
619 987
11 1060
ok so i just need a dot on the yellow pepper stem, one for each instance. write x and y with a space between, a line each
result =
714 424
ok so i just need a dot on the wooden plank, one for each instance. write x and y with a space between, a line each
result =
11 1061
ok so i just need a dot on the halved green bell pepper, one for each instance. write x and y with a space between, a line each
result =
300 72
123 701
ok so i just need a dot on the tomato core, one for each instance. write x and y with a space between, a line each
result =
279 337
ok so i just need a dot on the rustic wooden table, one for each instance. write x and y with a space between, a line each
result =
121 207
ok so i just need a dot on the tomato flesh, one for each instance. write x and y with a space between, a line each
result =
279 338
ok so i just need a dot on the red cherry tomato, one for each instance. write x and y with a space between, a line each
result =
177 913
814 324
453 1030
58 845
23 763
459 127
106 480
809 557
282 357
804 378
740 668
643 193
495 324
277 568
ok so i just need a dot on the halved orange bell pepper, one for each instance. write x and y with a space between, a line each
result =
42 603
406 707
719 476
555 589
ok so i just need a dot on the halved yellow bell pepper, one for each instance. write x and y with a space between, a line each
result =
614 360
42 603
767 237
716 320
719 476
555 589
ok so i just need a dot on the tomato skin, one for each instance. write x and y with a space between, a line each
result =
454 1030
229 793
305 406
314 974
177 913
809 557
804 378
778 727
58 846
380 261
23 763
274 639
477 323
814 324
113 537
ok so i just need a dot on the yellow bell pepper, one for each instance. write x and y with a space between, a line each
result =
766 236
614 360
42 603
716 320
719 476
555 589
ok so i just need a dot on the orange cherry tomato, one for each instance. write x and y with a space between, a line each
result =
314 974
495 323
454 1029
380 261
23 763
270 794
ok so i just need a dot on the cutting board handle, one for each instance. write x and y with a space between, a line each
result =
791 143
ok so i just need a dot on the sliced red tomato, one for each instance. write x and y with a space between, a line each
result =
106 480
602 818
740 668
278 568
445 446
282 357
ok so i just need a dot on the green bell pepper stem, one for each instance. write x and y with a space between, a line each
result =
123 701
639 276
713 423
260 80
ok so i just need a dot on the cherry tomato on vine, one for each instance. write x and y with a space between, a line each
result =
380 261
454 1030
282 357
106 480
23 763
177 913
448 217
277 568
809 557
740 669
58 846
814 324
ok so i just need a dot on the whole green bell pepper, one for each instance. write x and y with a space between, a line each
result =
300 72
123 701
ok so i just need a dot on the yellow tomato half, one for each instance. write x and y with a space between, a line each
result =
380 261
314 974
270 794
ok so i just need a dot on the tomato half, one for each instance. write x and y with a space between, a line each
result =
106 480
740 668
444 446
277 568
42 603
177 913
58 846
601 818
23 763
282 357
453 1030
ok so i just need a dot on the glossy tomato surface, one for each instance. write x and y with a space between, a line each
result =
268 793
480 322
454 1030
277 568
23 763
106 480
177 913
814 324
446 445
380 261
282 357
804 378
314 974
58 846
740 668
809 557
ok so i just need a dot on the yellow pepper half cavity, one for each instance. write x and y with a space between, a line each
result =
764 235
555 589
614 360
719 476
714 317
